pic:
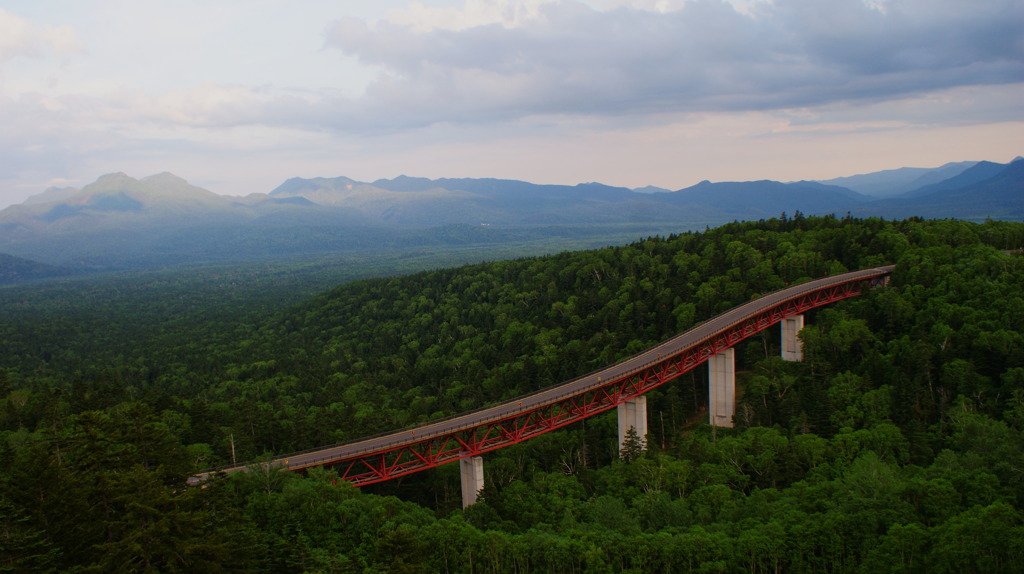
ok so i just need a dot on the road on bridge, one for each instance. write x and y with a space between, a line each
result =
408 439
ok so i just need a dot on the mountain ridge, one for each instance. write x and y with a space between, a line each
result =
163 219
978 172
18 269
895 182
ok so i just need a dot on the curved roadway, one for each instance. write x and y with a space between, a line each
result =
577 386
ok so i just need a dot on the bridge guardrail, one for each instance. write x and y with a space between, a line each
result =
745 310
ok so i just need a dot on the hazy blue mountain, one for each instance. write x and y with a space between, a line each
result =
116 200
651 189
762 199
979 172
893 182
430 205
506 188
947 171
119 221
419 201
16 269
1000 196
52 194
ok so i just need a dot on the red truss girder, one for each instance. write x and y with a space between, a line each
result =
375 459
413 457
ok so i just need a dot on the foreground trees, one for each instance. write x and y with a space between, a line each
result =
896 446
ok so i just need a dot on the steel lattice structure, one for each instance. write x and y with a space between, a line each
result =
376 459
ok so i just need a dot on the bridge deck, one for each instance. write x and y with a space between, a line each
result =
417 436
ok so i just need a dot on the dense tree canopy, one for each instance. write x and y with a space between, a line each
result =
897 445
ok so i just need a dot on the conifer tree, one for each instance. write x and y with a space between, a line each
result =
633 446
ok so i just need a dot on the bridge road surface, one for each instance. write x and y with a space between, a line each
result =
327 456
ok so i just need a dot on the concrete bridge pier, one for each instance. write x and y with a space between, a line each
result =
472 478
633 414
722 388
792 347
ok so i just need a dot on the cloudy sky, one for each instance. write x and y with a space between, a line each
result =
238 95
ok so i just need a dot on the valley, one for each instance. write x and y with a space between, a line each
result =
904 415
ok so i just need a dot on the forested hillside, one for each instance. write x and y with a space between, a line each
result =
896 446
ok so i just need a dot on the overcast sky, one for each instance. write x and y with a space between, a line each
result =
238 95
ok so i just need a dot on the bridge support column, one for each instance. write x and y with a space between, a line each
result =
633 414
722 388
792 347
472 478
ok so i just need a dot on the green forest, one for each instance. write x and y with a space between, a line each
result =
897 445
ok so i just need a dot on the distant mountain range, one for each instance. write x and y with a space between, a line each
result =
16 270
894 182
122 222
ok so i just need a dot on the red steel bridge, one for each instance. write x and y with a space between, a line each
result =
390 455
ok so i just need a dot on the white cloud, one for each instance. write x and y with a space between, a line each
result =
487 61
20 38
629 92
508 13
493 61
